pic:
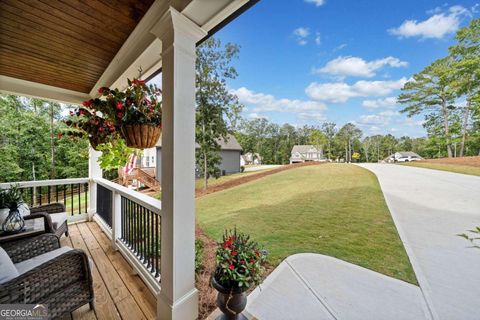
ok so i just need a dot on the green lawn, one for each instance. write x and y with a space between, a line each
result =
333 209
446 167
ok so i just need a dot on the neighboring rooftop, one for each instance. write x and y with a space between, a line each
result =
302 148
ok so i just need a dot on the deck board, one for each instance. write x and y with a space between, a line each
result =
119 293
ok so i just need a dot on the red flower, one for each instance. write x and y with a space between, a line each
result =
81 111
88 103
119 106
59 135
101 129
234 253
102 89
231 267
138 82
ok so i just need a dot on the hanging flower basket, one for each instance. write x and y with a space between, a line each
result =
141 136
134 114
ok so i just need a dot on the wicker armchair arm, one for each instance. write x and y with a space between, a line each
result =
51 277
49 208
47 220
28 248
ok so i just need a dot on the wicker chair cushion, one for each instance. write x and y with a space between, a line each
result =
34 262
58 219
7 268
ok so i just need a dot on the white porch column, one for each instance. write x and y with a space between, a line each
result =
178 298
94 172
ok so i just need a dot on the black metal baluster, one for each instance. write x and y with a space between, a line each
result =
85 188
142 210
156 246
146 238
48 196
79 199
56 193
152 235
31 196
40 194
71 199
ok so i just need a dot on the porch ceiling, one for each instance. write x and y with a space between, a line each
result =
64 50
66 44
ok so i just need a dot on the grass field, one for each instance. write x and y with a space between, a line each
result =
446 167
333 209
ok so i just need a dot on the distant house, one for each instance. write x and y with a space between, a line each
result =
250 158
230 152
305 153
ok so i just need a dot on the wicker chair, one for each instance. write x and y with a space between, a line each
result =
54 215
57 277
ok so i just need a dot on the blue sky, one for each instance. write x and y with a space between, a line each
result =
310 61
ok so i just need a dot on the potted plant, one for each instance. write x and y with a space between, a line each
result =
12 199
238 267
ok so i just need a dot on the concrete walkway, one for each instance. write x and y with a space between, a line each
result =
429 208
317 287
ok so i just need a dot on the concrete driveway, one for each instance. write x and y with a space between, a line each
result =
429 208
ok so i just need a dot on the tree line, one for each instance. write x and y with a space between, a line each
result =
274 142
447 94
31 143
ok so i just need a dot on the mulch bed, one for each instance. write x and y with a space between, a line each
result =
207 294
464 161
251 177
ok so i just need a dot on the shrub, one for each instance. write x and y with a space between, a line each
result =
199 246
238 261
242 168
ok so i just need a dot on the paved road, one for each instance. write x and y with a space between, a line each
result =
429 208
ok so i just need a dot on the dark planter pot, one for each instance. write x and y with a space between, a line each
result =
230 301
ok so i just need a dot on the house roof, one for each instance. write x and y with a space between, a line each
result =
230 144
303 148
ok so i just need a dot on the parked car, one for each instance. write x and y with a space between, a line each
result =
408 158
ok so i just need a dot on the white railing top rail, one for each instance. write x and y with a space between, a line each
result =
43 183
148 202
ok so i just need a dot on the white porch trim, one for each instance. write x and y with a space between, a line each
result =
33 89
178 298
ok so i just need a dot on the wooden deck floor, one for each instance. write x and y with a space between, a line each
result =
119 293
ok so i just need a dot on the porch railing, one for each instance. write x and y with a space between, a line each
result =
73 193
132 221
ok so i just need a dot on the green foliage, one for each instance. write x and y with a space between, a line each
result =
238 261
11 198
217 109
31 146
199 249
242 169
115 154
473 237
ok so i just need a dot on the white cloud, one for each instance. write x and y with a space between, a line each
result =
437 26
255 115
358 67
317 3
301 34
388 102
340 47
318 39
341 91
261 102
